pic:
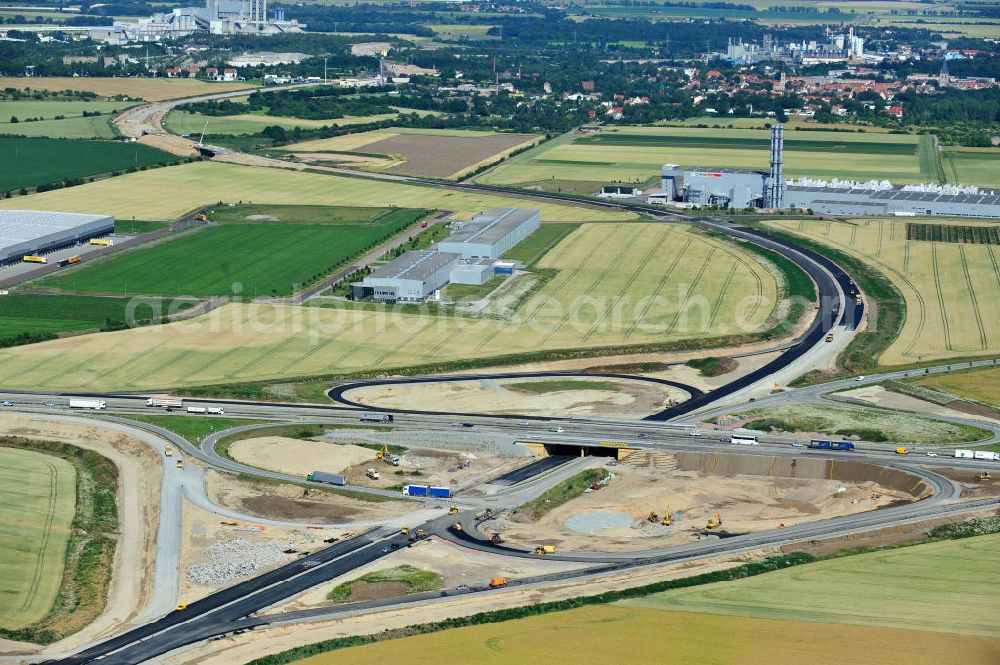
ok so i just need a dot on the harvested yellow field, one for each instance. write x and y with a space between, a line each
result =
150 89
296 457
610 635
617 284
951 289
171 192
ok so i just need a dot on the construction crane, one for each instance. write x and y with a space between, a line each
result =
714 522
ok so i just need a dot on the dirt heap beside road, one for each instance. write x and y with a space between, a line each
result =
287 501
297 457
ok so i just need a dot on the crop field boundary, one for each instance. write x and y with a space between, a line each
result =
86 578
952 531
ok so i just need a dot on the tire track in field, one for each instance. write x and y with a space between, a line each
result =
53 497
356 347
272 350
319 349
176 358
135 357
609 266
993 260
975 302
878 242
940 298
751 267
640 269
722 296
641 316
568 275
694 285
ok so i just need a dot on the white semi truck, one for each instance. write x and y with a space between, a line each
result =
95 404
166 402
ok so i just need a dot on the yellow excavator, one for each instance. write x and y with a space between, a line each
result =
405 530
653 517
453 510
383 452
984 477
667 520
714 522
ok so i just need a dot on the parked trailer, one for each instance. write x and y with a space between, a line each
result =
166 402
376 417
102 242
965 454
986 455
96 404
817 444
31 258
71 260
327 478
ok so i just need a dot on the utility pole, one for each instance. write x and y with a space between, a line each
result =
324 71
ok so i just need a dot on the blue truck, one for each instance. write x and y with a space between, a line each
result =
427 490
817 444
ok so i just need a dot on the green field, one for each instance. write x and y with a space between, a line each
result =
414 579
37 504
39 161
635 154
612 287
972 166
950 289
194 428
72 126
169 193
243 256
868 424
931 587
57 314
981 385
530 250
128 227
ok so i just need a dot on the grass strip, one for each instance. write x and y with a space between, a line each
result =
416 581
90 553
565 491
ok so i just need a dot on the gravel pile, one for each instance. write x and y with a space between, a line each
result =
236 558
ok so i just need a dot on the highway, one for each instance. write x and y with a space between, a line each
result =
236 608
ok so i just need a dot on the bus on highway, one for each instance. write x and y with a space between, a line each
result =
744 440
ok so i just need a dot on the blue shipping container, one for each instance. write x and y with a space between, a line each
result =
415 490
440 492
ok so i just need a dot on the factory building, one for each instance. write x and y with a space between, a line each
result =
912 200
722 187
411 277
489 235
740 188
35 232
472 272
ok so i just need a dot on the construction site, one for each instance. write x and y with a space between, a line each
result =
653 499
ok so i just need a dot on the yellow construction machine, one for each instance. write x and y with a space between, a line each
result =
714 522
653 517
453 510
667 520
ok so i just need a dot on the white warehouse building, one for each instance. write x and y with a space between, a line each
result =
407 278
492 233
24 232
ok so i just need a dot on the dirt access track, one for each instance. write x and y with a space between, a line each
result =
139 481
751 493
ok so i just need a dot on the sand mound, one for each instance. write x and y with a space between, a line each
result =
296 457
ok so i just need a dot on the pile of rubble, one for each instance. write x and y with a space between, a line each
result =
236 558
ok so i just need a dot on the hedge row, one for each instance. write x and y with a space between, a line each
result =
767 565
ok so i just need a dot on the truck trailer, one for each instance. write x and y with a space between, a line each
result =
817 444
986 455
166 402
327 478
965 454
211 410
376 417
428 491
95 404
